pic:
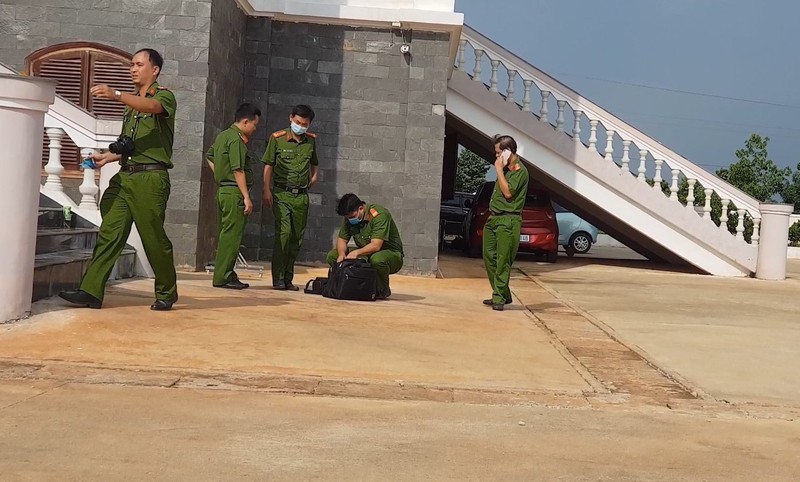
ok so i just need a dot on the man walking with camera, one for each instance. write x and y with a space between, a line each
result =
139 192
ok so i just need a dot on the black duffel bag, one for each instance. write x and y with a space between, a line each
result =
316 286
352 279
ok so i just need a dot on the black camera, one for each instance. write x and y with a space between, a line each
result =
123 146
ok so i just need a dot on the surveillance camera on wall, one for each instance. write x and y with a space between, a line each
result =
405 49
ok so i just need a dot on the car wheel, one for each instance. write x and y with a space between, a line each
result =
552 256
580 242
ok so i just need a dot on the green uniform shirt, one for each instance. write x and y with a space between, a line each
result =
152 134
291 160
381 226
517 178
229 153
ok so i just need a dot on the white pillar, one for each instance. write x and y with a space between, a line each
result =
773 244
88 188
54 168
23 103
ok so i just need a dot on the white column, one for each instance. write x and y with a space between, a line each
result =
493 78
543 110
723 216
576 128
657 179
512 76
476 71
626 157
593 135
560 118
707 205
54 168
461 46
642 165
88 188
772 247
690 195
756 232
673 188
609 153
526 99
740 226
23 103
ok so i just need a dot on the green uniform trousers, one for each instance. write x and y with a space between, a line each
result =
139 198
500 244
385 262
231 221
291 215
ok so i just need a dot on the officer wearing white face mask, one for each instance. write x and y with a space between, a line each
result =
291 167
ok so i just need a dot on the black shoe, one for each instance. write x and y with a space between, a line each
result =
279 285
498 307
233 285
385 295
163 305
489 302
291 287
81 298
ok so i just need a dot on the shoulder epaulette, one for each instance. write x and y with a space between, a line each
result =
374 212
279 133
161 87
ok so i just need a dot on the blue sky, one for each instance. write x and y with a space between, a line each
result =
744 49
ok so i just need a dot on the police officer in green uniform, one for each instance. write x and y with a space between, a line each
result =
291 166
229 160
139 192
376 236
501 232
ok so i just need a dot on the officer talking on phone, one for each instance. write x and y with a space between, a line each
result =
501 232
139 192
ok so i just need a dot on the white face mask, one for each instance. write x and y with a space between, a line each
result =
298 129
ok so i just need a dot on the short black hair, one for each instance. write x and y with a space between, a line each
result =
303 111
155 58
348 204
247 111
506 142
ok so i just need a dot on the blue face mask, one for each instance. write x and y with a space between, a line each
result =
354 221
298 129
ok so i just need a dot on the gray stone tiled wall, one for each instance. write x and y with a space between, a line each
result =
380 123
179 30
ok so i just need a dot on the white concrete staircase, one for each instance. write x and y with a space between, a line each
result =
492 91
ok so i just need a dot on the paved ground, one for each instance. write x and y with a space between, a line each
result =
110 433
617 369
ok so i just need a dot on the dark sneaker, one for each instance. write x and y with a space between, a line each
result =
233 285
279 285
385 295
489 302
291 287
497 307
163 305
81 298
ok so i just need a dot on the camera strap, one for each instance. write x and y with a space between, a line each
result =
135 127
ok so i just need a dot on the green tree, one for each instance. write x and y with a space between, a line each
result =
791 192
754 173
470 171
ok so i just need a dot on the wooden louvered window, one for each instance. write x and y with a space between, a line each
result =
77 67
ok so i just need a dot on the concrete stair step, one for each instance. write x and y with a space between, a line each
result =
56 240
56 271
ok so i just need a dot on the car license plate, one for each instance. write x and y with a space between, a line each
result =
524 238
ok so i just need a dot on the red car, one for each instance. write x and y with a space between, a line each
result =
539 233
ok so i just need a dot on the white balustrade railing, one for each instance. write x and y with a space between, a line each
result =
683 175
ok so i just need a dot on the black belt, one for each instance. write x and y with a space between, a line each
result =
130 169
505 213
291 189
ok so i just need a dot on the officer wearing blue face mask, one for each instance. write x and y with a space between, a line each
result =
376 236
290 170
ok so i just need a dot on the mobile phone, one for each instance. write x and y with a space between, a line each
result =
505 156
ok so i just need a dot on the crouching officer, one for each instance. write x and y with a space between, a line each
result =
230 162
501 232
376 236
291 164
139 192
